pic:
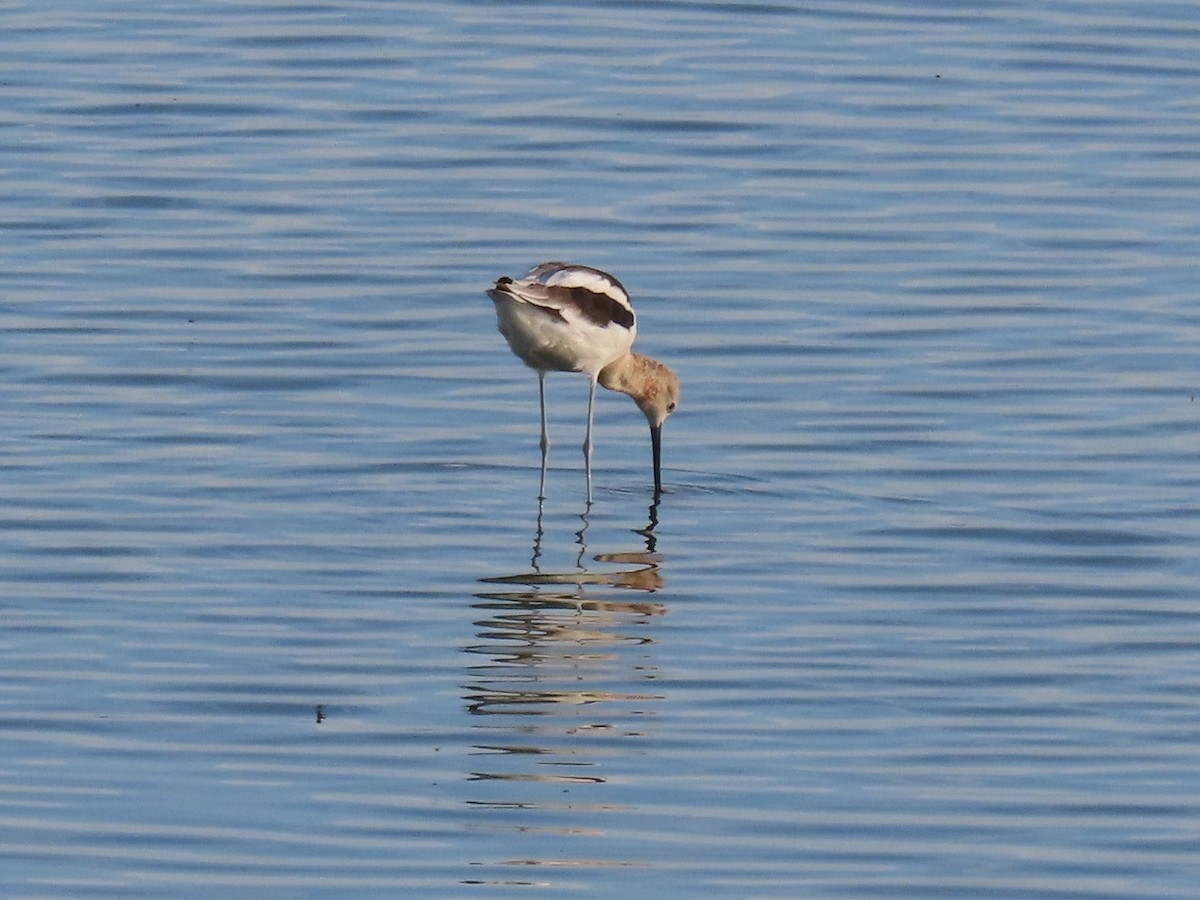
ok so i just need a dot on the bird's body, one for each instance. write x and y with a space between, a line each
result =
560 317
564 318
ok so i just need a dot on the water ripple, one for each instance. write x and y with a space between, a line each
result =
915 615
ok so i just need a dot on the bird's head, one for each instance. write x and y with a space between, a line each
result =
659 394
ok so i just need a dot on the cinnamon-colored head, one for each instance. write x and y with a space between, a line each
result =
659 395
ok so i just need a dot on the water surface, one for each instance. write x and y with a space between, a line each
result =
916 616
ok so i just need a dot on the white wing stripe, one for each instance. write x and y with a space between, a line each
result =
567 275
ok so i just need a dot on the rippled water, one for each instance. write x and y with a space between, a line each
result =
917 615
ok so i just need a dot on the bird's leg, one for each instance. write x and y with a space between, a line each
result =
545 441
587 438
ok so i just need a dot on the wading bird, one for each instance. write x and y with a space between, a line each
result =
560 317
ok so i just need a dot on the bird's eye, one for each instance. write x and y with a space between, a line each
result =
670 407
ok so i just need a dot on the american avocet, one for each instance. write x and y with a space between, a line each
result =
559 317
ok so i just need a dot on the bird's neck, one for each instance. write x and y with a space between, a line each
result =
629 374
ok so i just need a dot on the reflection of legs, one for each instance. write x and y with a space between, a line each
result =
545 442
587 438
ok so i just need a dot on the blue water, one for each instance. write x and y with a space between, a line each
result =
917 614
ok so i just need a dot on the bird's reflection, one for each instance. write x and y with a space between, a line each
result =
644 575
561 686
563 657
537 577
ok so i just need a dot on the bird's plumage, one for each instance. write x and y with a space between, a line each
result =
565 318
561 317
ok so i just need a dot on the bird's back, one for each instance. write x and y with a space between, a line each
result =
564 317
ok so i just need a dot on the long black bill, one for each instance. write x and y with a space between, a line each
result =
656 448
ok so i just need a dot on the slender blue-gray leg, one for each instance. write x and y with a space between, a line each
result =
587 438
545 441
